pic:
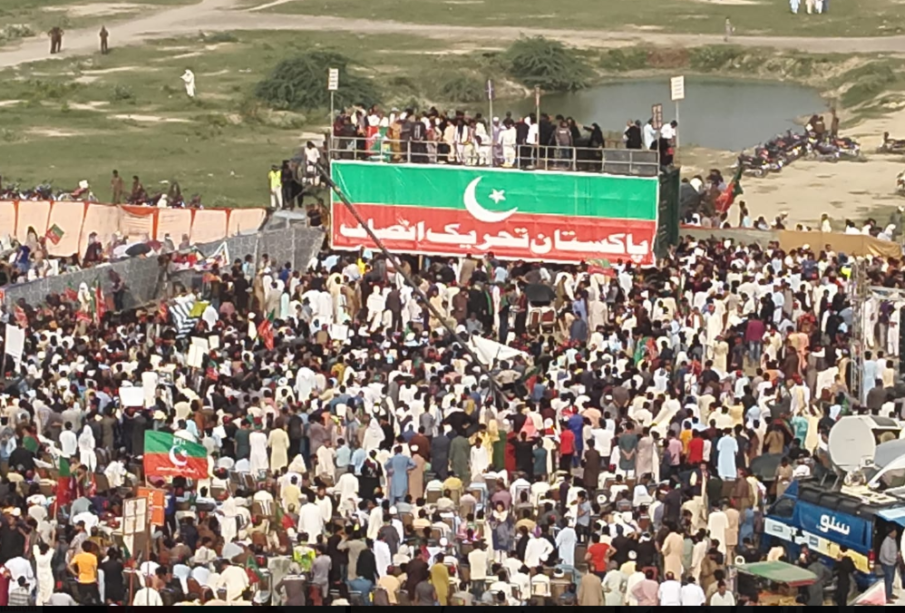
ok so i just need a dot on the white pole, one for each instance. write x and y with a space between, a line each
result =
332 113
677 126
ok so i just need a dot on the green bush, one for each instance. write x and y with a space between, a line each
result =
122 93
624 60
39 89
461 88
549 64
300 83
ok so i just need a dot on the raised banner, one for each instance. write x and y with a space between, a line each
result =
514 214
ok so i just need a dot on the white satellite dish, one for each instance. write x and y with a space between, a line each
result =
853 440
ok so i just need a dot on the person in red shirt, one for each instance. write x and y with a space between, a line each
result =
695 449
566 448
597 554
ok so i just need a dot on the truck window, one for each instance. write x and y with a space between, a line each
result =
892 479
783 508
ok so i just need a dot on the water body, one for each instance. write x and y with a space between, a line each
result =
716 113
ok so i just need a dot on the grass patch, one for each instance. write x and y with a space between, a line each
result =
869 81
461 88
764 17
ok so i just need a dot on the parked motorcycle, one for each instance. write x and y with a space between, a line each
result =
891 145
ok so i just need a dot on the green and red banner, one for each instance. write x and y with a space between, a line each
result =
170 456
514 214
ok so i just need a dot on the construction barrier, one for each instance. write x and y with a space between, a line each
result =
72 222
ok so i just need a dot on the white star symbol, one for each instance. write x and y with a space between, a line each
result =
497 195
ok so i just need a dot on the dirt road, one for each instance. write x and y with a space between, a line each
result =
221 15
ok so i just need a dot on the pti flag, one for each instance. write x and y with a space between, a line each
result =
549 216
733 190
265 331
54 234
170 456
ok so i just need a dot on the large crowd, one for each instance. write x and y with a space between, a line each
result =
358 454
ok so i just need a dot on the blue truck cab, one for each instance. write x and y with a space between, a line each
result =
827 521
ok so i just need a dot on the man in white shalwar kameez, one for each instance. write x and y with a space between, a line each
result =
717 524
311 521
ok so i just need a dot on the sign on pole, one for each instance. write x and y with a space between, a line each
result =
333 79
656 113
155 503
677 88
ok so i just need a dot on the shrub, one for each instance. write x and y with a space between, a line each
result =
300 83
711 58
461 88
549 64
15 31
868 81
122 93
624 60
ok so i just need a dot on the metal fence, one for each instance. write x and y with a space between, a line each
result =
631 162
145 278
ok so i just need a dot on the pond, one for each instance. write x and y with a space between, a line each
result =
716 113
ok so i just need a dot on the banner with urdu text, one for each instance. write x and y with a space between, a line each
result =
515 214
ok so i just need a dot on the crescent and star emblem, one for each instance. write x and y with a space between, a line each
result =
479 212
178 456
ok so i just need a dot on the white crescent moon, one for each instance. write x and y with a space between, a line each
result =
479 212
173 459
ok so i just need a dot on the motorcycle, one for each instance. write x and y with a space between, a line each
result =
900 183
891 145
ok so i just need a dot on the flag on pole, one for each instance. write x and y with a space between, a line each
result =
65 490
70 295
253 570
54 234
170 456
265 331
725 200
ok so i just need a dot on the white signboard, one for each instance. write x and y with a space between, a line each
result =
149 387
14 342
333 79
677 88
132 397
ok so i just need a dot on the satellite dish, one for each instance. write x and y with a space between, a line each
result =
853 440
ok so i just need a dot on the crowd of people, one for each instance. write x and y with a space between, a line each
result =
455 137
358 454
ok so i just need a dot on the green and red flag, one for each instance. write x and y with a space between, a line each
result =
733 189
551 216
170 456
265 331
253 570
65 490
70 295
54 234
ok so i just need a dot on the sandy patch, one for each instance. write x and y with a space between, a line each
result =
104 71
4 103
269 5
107 9
150 119
53 133
94 105
85 80
216 74
181 56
